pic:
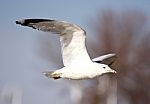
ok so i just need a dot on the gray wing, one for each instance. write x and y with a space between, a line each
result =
107 59
72 37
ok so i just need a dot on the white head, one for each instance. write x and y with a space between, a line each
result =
103 68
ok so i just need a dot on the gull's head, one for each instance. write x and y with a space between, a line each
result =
103 69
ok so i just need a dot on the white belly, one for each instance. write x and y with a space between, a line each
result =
81 71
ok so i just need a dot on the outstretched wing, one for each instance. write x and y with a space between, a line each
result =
105 59
72 37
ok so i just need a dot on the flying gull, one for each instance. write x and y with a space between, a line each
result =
76 60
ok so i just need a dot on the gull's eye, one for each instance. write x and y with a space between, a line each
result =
104 67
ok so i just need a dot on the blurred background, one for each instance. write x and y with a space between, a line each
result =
118 26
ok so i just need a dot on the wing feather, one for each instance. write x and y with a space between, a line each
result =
72 37
107 59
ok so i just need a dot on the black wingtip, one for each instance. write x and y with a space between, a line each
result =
25 22
17 22
22 22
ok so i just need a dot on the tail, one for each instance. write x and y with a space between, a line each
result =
52 74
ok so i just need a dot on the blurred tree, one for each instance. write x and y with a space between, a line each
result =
127 34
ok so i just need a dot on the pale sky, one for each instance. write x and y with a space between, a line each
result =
20 64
